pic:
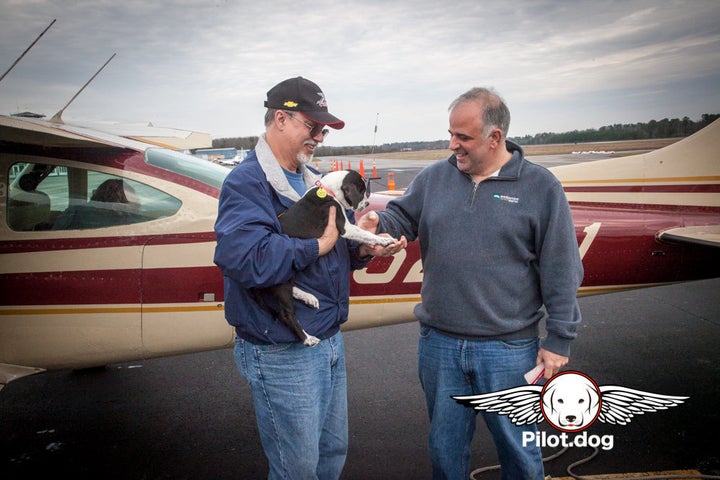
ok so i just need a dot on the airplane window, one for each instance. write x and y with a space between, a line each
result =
44 197
187 165
28 204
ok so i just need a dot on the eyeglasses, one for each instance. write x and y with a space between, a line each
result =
315 128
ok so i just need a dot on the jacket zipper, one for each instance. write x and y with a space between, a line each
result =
472 199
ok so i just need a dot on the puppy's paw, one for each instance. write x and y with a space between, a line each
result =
385 241
312 301
307 298
310 341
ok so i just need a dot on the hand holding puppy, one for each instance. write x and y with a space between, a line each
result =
330 236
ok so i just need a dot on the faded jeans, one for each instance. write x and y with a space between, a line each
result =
300 399
450 366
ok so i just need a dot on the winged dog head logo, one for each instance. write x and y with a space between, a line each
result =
571 402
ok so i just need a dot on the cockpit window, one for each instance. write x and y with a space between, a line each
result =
187 165
44 197
28 206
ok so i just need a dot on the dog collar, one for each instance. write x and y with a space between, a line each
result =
323 190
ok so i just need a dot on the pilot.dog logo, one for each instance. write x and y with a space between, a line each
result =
570 401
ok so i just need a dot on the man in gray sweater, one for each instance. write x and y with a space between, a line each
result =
497 243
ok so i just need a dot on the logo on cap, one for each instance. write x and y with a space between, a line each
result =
299 94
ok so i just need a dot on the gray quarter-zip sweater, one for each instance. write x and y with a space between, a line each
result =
493 253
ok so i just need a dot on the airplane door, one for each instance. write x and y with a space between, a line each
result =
182 304
71 297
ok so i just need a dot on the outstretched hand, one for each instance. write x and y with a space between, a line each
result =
369 222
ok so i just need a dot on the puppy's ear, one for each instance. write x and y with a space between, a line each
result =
353 194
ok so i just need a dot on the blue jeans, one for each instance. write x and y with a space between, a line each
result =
450 366
300 399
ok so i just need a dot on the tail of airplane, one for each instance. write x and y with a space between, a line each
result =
683 178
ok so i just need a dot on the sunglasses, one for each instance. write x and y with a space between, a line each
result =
315 128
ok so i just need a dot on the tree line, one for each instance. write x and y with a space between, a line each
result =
665 128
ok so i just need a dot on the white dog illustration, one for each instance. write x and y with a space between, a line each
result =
571 402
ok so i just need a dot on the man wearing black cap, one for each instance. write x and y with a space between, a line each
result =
299 392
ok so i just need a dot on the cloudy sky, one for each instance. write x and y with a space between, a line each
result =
206 65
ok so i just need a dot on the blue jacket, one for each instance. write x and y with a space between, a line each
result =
252 252
493 253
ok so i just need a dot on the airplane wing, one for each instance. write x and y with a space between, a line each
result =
708 235
172 138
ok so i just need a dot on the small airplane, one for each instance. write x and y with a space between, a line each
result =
92 274
107 242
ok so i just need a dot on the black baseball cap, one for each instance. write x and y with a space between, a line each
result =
301 95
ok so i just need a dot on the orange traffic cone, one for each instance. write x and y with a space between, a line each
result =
362 168
391 181
374 170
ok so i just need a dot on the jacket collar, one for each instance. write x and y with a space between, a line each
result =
512 169
274 172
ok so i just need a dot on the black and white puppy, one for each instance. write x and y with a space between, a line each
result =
308 218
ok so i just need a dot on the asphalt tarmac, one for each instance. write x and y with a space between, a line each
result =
191 417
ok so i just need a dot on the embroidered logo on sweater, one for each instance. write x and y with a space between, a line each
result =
506 198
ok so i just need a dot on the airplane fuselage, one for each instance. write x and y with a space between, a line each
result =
79 296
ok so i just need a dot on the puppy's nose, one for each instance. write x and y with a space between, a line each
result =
570 418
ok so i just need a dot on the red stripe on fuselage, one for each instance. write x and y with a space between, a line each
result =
635 188
52 244
97 287
635 208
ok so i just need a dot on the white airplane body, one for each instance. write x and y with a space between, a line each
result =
142 283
